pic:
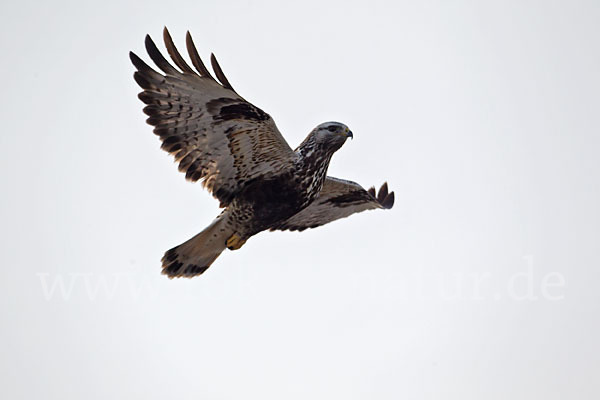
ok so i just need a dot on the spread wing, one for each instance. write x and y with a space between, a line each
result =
338 199
214 134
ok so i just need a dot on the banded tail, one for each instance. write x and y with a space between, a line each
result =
193 257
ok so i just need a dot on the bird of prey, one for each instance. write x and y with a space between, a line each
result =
240 156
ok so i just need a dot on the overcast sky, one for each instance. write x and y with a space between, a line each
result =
481 282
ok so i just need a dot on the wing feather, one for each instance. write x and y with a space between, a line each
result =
158 58
338 198
219 72
174 53
196 60
214 134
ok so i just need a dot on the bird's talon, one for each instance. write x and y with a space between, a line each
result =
235 242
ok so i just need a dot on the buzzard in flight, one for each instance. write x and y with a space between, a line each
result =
241 157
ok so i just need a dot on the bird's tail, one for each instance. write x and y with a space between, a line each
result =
197 254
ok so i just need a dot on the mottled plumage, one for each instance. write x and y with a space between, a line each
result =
240 156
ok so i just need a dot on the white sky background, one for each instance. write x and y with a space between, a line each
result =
482 116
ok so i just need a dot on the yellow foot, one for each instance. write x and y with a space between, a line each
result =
235 242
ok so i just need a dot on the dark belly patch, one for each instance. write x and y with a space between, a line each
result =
272 200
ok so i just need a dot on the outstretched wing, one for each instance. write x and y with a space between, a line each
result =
338 199
214 133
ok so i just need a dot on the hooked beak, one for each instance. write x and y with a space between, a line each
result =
349 134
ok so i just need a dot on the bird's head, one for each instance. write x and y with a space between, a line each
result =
331 135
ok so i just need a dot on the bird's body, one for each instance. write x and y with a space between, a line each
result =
238 152
264 203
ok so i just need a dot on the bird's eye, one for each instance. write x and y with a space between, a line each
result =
332 128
